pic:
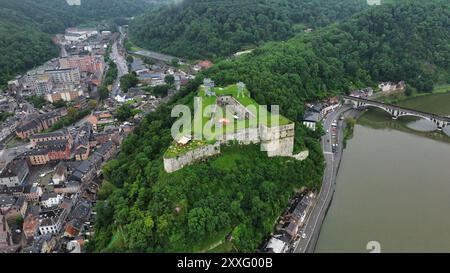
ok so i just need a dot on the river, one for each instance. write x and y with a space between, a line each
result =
393 186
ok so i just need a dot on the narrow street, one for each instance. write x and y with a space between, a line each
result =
122 66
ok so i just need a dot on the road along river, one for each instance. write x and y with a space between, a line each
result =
393 185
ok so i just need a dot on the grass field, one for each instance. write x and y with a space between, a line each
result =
207 125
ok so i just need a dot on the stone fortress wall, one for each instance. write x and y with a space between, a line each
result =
276 141
177 163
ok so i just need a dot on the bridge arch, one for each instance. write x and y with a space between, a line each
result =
387 110
406 114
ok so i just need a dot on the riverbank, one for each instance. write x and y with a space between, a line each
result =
315 219
349 227
400 97
346 113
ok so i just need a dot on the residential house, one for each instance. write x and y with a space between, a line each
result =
205 64
18 209
51 221
33 192
67 188
310 119
15 191
388 87
106 151
30 226
51 199
84 172
98 119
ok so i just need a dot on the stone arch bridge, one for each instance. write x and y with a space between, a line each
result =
397 111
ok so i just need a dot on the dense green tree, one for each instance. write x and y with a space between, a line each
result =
129 80
213 28
37 101
161 90
103 92
169 79
125 112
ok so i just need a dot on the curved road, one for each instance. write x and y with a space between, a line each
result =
122 67
323 200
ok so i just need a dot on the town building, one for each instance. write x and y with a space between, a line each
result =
5 234
47 151
388 87
106 151
310 119
64 94
60 174
6 202
85 63
65 75
75 35
84 172
14 173
40 123
18 209
59 135
100 119
51 221
30 226
51 199
33 192
67 188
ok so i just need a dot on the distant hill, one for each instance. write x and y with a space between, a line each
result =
392 42
26 27
214 28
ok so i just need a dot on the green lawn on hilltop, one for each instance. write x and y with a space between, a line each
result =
203 122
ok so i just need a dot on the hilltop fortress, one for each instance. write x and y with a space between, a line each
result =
273 132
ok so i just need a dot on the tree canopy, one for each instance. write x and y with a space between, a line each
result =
214 28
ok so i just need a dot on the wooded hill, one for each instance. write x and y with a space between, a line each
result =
241 192
407 41
215 28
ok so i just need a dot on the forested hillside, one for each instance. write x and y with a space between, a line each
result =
141 208
406 41
241 192
26 27
211 28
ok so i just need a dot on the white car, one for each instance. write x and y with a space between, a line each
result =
303 235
